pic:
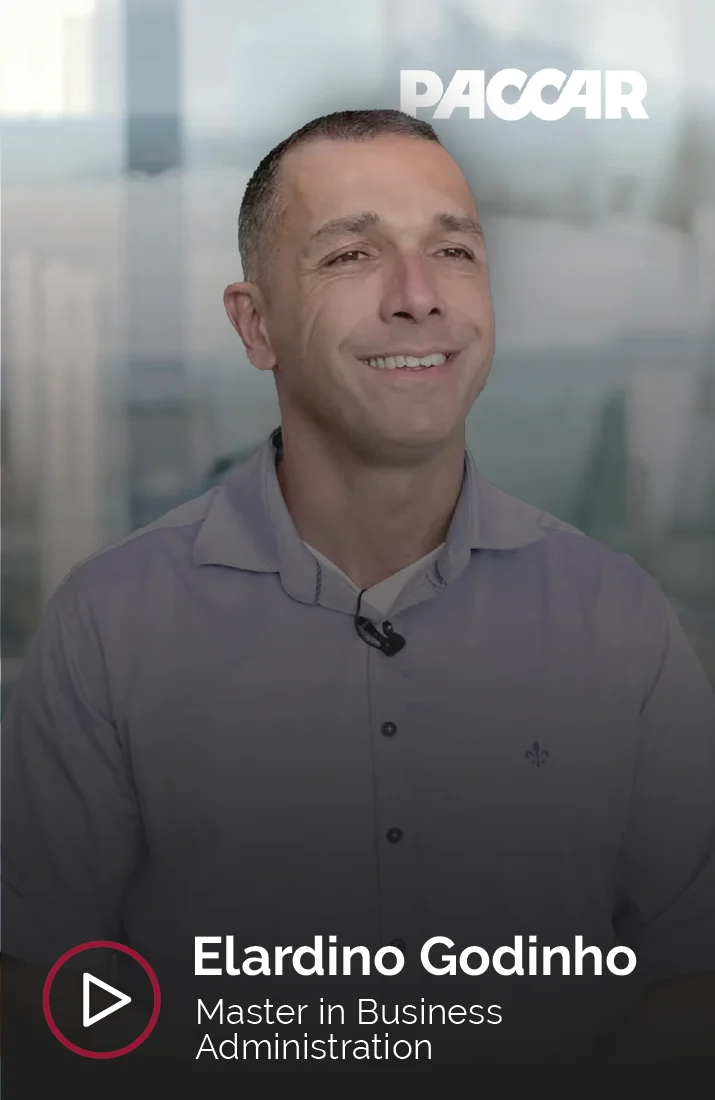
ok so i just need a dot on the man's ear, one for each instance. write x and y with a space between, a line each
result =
245 306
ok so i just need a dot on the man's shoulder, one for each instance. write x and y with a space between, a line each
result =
576 558
166 544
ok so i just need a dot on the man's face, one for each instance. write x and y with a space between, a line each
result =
378 261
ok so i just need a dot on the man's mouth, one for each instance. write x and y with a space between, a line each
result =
410 362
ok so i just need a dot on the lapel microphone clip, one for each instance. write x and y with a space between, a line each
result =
387 640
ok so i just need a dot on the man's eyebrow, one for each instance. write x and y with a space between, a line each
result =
340 227
460 223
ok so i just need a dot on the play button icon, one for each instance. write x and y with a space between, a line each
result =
100 1000
89 980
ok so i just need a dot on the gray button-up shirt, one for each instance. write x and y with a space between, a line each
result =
201 744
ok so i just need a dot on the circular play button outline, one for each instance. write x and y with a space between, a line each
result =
112 945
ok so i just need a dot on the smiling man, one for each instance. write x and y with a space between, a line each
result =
359 691
369 300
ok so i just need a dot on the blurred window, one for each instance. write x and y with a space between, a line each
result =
46 58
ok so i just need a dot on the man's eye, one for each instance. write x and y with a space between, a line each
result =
346 256
458 253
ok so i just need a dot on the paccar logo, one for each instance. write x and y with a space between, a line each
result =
600 94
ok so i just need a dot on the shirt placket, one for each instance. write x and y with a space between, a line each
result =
394 803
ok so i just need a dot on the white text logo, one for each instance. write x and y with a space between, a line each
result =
599 93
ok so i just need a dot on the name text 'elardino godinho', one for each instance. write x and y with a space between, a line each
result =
216 956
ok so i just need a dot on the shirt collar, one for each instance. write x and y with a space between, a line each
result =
248 525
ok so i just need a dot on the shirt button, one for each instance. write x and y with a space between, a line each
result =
389 729
393 835
399 944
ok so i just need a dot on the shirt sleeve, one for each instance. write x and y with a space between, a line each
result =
71 827
666 871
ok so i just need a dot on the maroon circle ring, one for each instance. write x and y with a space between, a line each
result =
112 945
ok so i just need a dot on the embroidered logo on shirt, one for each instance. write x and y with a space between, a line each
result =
537 755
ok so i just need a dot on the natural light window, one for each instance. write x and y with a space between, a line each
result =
46 58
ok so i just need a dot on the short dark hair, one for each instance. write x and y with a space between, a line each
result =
261 206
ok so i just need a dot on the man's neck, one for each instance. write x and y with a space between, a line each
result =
370 519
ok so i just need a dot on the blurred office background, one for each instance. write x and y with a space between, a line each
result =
128 130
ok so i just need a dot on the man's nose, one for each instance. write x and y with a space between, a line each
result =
411 291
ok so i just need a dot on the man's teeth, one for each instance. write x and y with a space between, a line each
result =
399 362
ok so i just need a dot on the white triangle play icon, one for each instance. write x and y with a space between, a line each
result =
122 1000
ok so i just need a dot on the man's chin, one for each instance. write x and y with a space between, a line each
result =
406 446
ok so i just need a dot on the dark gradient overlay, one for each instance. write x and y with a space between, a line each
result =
202 745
